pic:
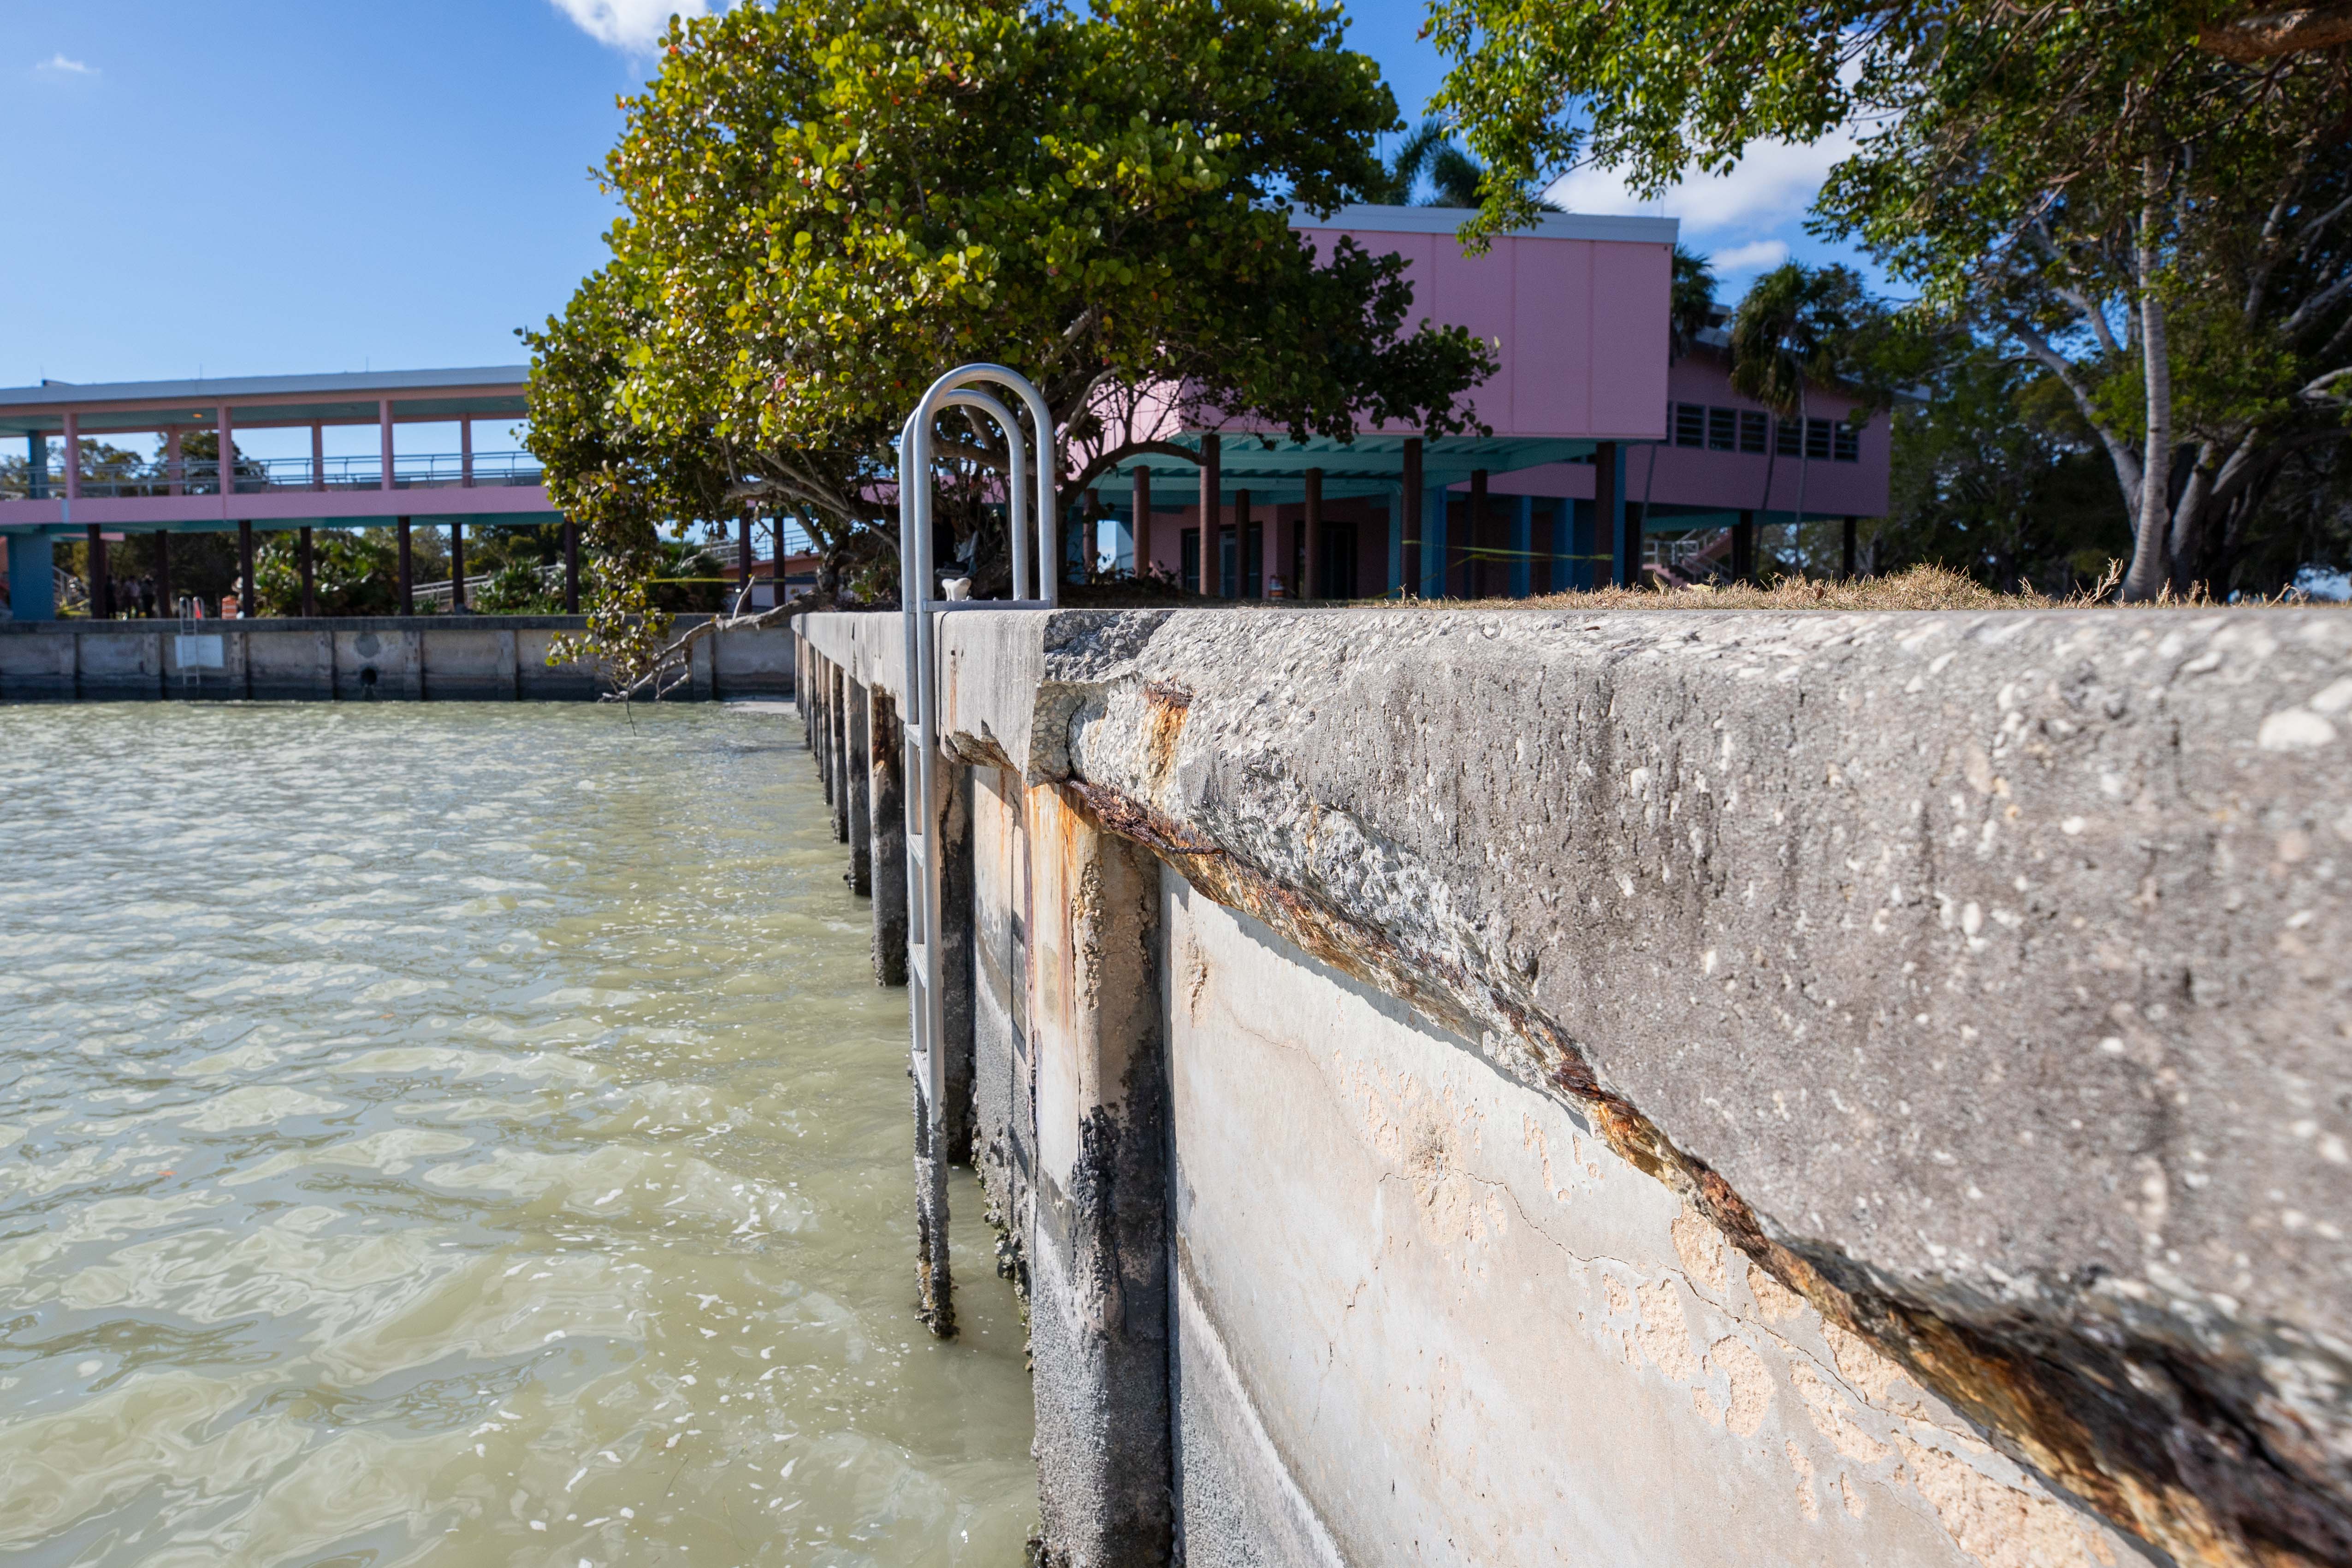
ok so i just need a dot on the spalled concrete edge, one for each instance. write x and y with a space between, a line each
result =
1972 972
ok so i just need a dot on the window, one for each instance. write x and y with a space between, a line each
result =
1690 424
1786 441
1817 437
1722 429
1846 442
1752 431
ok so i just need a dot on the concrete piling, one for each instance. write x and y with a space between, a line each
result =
952 824
887 808
858 811
1099 1262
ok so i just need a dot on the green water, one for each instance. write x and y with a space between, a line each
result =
464 1134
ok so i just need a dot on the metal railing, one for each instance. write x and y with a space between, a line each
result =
263 476
551 577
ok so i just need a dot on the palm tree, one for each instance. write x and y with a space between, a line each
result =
1692 310
1786 333
1454 175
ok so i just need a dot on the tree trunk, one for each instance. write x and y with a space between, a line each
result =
1804 439
2147 575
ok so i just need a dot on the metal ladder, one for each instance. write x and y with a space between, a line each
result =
924 777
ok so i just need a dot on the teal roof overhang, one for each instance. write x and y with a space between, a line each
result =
1273 468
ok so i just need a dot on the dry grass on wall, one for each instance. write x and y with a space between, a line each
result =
1919 588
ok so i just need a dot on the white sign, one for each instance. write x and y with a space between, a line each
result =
197 653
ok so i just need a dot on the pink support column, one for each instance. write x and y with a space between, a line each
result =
318 457
173 464
466 454
73 457
383 426
225 426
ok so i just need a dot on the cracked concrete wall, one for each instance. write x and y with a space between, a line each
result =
1976 978
1430 1316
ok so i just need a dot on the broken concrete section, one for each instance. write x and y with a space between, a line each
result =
1664 1087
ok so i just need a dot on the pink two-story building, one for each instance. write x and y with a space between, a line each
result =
1604 459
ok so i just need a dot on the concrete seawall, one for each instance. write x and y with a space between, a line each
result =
456 658
1657 1088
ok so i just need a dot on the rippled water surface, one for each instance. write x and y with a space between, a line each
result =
464 1134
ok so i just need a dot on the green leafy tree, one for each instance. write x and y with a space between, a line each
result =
1996 474
1692 310
353 571
2100 189
827 204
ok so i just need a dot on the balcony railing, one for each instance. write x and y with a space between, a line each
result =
263 475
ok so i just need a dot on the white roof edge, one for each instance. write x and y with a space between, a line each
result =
1446 220
346 383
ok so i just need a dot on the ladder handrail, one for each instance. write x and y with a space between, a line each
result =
919 691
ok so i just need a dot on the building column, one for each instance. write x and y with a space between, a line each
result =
73 461
857 752
32 583
310 579
175 466
1850 547
1743 548
248 598
570 567
1273 560
1141 506
384 442
465 454
36 466
407 580
1436 520
318 457
457 569
1392 531
1409 539
743 561
1524 575
165 609
1241 552
1213 507
1609 517
1099 1246
1480 529
101 586
1310 538
225 469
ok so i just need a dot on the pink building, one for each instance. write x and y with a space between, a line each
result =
1602 457
179 494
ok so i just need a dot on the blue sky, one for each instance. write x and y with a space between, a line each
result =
275 185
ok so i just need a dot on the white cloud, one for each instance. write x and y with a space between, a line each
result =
58 65
1773 185
631 25
1756 256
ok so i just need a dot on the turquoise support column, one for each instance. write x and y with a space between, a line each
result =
32 587
1523 544
1585 546
1432 542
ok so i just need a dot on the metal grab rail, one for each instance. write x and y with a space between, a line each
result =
918 693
